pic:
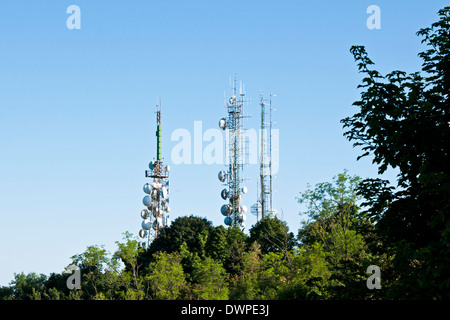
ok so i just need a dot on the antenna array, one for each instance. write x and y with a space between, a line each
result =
157 199
234 212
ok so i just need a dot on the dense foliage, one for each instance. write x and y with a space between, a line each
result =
350 224
195 260
404 123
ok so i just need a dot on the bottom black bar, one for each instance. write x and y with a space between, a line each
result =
223 309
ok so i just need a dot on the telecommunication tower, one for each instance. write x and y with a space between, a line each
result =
264 206
157 199
234 212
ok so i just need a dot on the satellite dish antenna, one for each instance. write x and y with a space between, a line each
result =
142 233
147 188
255 209
223 123
228 221
222 175
145 214
224 194
147 201
226 209
146 224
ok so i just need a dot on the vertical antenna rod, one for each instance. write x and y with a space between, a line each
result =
270 152
265 197
158 132
262 163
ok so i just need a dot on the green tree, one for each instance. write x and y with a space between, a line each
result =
209 280
217 246
333 213
335 223
190 229
93 258
6 293
311 274
98 272
206 277
244 283
236 248
273 275
404 122
131 278
25 286
166 276
272 235
56 287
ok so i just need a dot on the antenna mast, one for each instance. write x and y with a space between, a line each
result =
234 212
264 203
157 198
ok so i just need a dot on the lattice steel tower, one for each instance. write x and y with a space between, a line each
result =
234 212
157 199
265 159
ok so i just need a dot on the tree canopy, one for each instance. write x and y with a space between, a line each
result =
404 122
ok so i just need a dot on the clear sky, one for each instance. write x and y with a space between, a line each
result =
77 122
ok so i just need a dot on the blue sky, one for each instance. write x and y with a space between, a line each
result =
77 117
